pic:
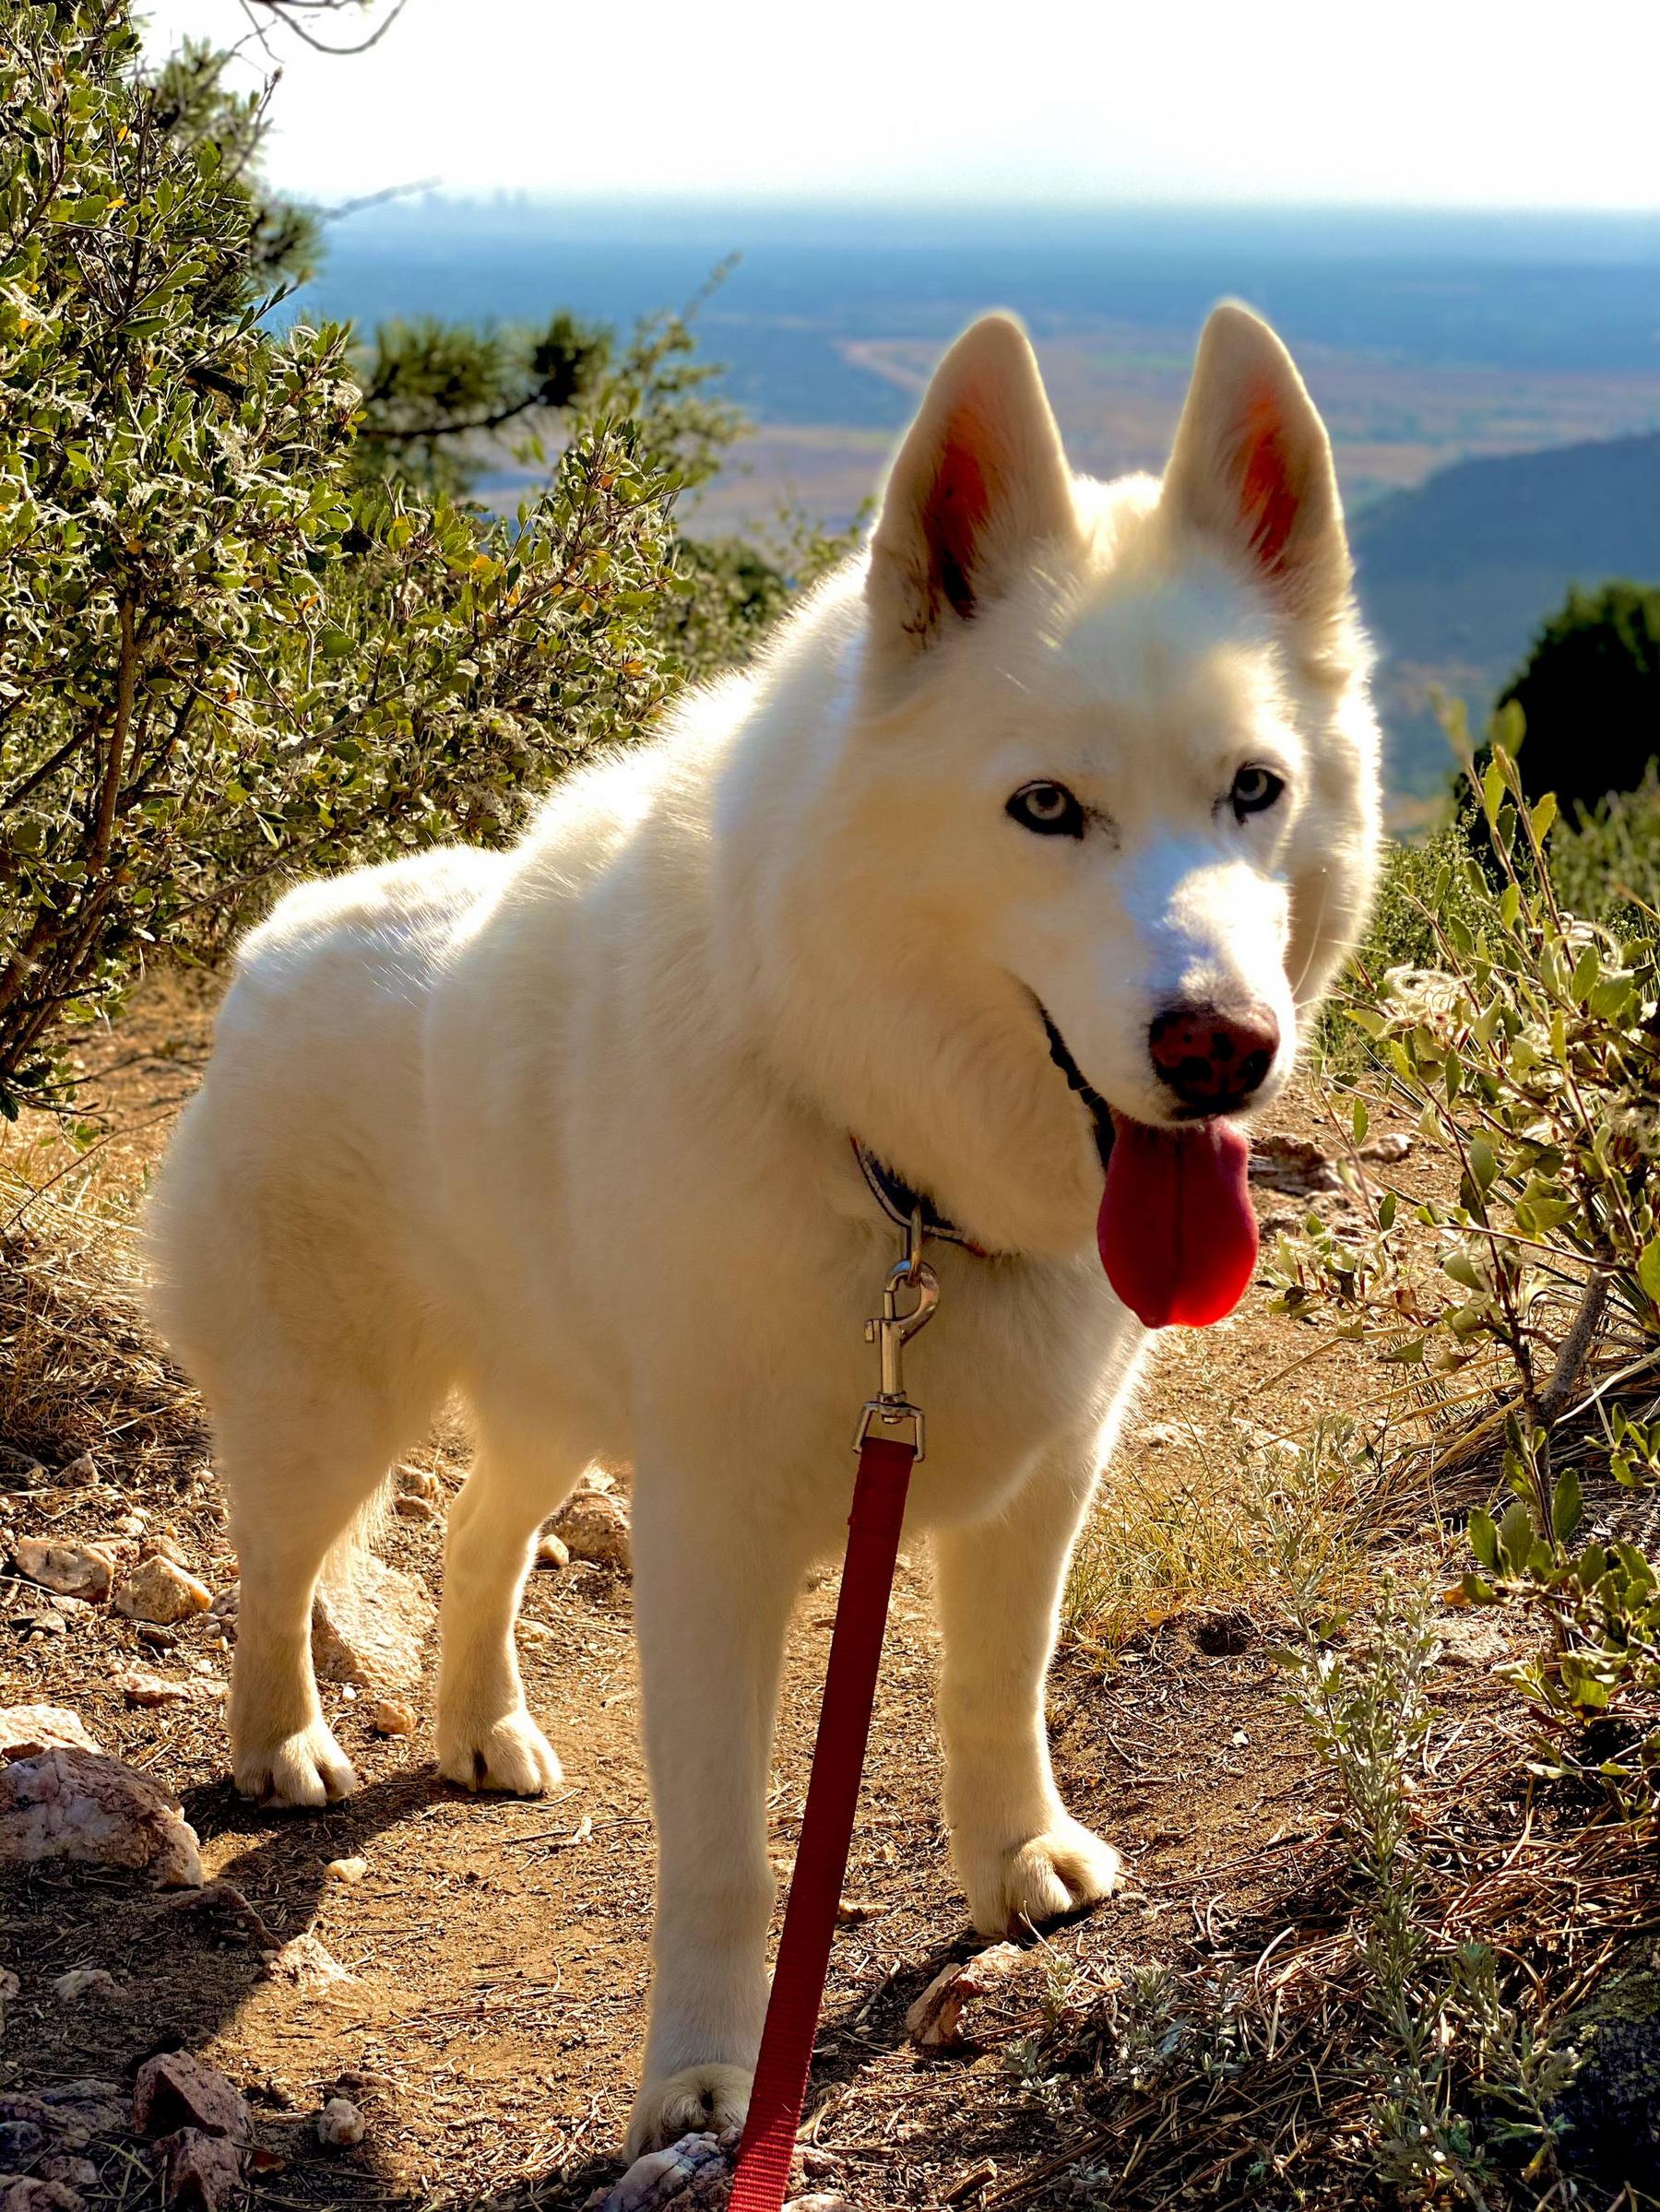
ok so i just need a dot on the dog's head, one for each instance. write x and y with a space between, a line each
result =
1102 820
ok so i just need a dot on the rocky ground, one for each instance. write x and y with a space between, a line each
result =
419 1998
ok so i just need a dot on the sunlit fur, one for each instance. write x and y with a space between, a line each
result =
567 1129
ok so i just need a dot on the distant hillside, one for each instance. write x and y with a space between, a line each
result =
1456 576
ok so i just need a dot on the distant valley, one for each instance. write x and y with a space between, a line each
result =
1492 383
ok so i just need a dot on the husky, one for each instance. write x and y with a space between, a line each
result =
1000 889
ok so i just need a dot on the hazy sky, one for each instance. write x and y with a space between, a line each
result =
1461 102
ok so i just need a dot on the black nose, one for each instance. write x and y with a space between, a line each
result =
1213 1060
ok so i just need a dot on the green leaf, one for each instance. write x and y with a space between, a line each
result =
1362 1122
1566 1506
1648 1272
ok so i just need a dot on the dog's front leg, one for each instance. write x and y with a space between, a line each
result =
1019 1854
712 1590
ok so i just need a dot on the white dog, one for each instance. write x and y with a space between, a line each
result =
1023 850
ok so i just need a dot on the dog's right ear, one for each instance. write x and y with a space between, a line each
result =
980 481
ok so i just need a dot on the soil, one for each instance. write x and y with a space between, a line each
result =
489 2017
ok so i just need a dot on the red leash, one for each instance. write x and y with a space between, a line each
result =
815 1888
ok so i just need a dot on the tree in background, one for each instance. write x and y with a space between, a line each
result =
231 647
1590 695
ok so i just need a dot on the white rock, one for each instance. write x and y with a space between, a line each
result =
161 1591
369 1632
392 1716
553 1551
73 1570
140 1687
413 1507
78 1805
347 1870
593 1525
83 1468
695 2170
420 1482
89 1981
28 1729
956 2006
340 2124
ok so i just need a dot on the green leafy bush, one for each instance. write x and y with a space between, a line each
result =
224 655
1530 1050
1589 693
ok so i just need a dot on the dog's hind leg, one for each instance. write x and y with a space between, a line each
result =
486 1737
1019 1854
299 1470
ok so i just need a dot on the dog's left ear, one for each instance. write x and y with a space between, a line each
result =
1252 467
981 481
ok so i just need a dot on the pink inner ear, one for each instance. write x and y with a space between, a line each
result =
954 516
1267 499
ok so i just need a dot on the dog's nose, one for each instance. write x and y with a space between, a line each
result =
1211 1059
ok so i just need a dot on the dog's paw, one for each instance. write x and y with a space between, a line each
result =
305 1769
510 1755
1059 1871
696 2098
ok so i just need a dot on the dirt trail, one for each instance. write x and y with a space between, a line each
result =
495 1952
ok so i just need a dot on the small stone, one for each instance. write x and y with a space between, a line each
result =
370 1630
853 1912
534 1634
163 1545
73 1570
392 1716
420 1482
145 1689
597 1480
78 1805
200 2172
340 2124
960 2004
1389 1148
161 1591
10 1987
34 2193
553 1551
28 1729
1159 1436
307 1962
697 2170
593 1525
412 1508
822 2200
177 2089
74 2173
82 1469
21 2142
83 1981
347 1870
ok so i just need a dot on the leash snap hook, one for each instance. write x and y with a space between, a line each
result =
890 1332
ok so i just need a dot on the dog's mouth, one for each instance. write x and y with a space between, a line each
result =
1176 1230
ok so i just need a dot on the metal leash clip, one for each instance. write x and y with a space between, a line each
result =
892 1330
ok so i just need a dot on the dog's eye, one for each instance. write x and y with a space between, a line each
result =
1254 791
1050 809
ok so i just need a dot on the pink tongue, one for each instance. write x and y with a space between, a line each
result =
1175 1229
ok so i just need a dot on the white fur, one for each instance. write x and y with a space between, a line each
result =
567 1130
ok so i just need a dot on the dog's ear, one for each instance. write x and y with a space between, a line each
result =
1252 467
980 481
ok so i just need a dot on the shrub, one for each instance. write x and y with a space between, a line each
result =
1531 1050
1589 693
222 655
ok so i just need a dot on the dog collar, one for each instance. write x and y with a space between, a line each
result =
902 1204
